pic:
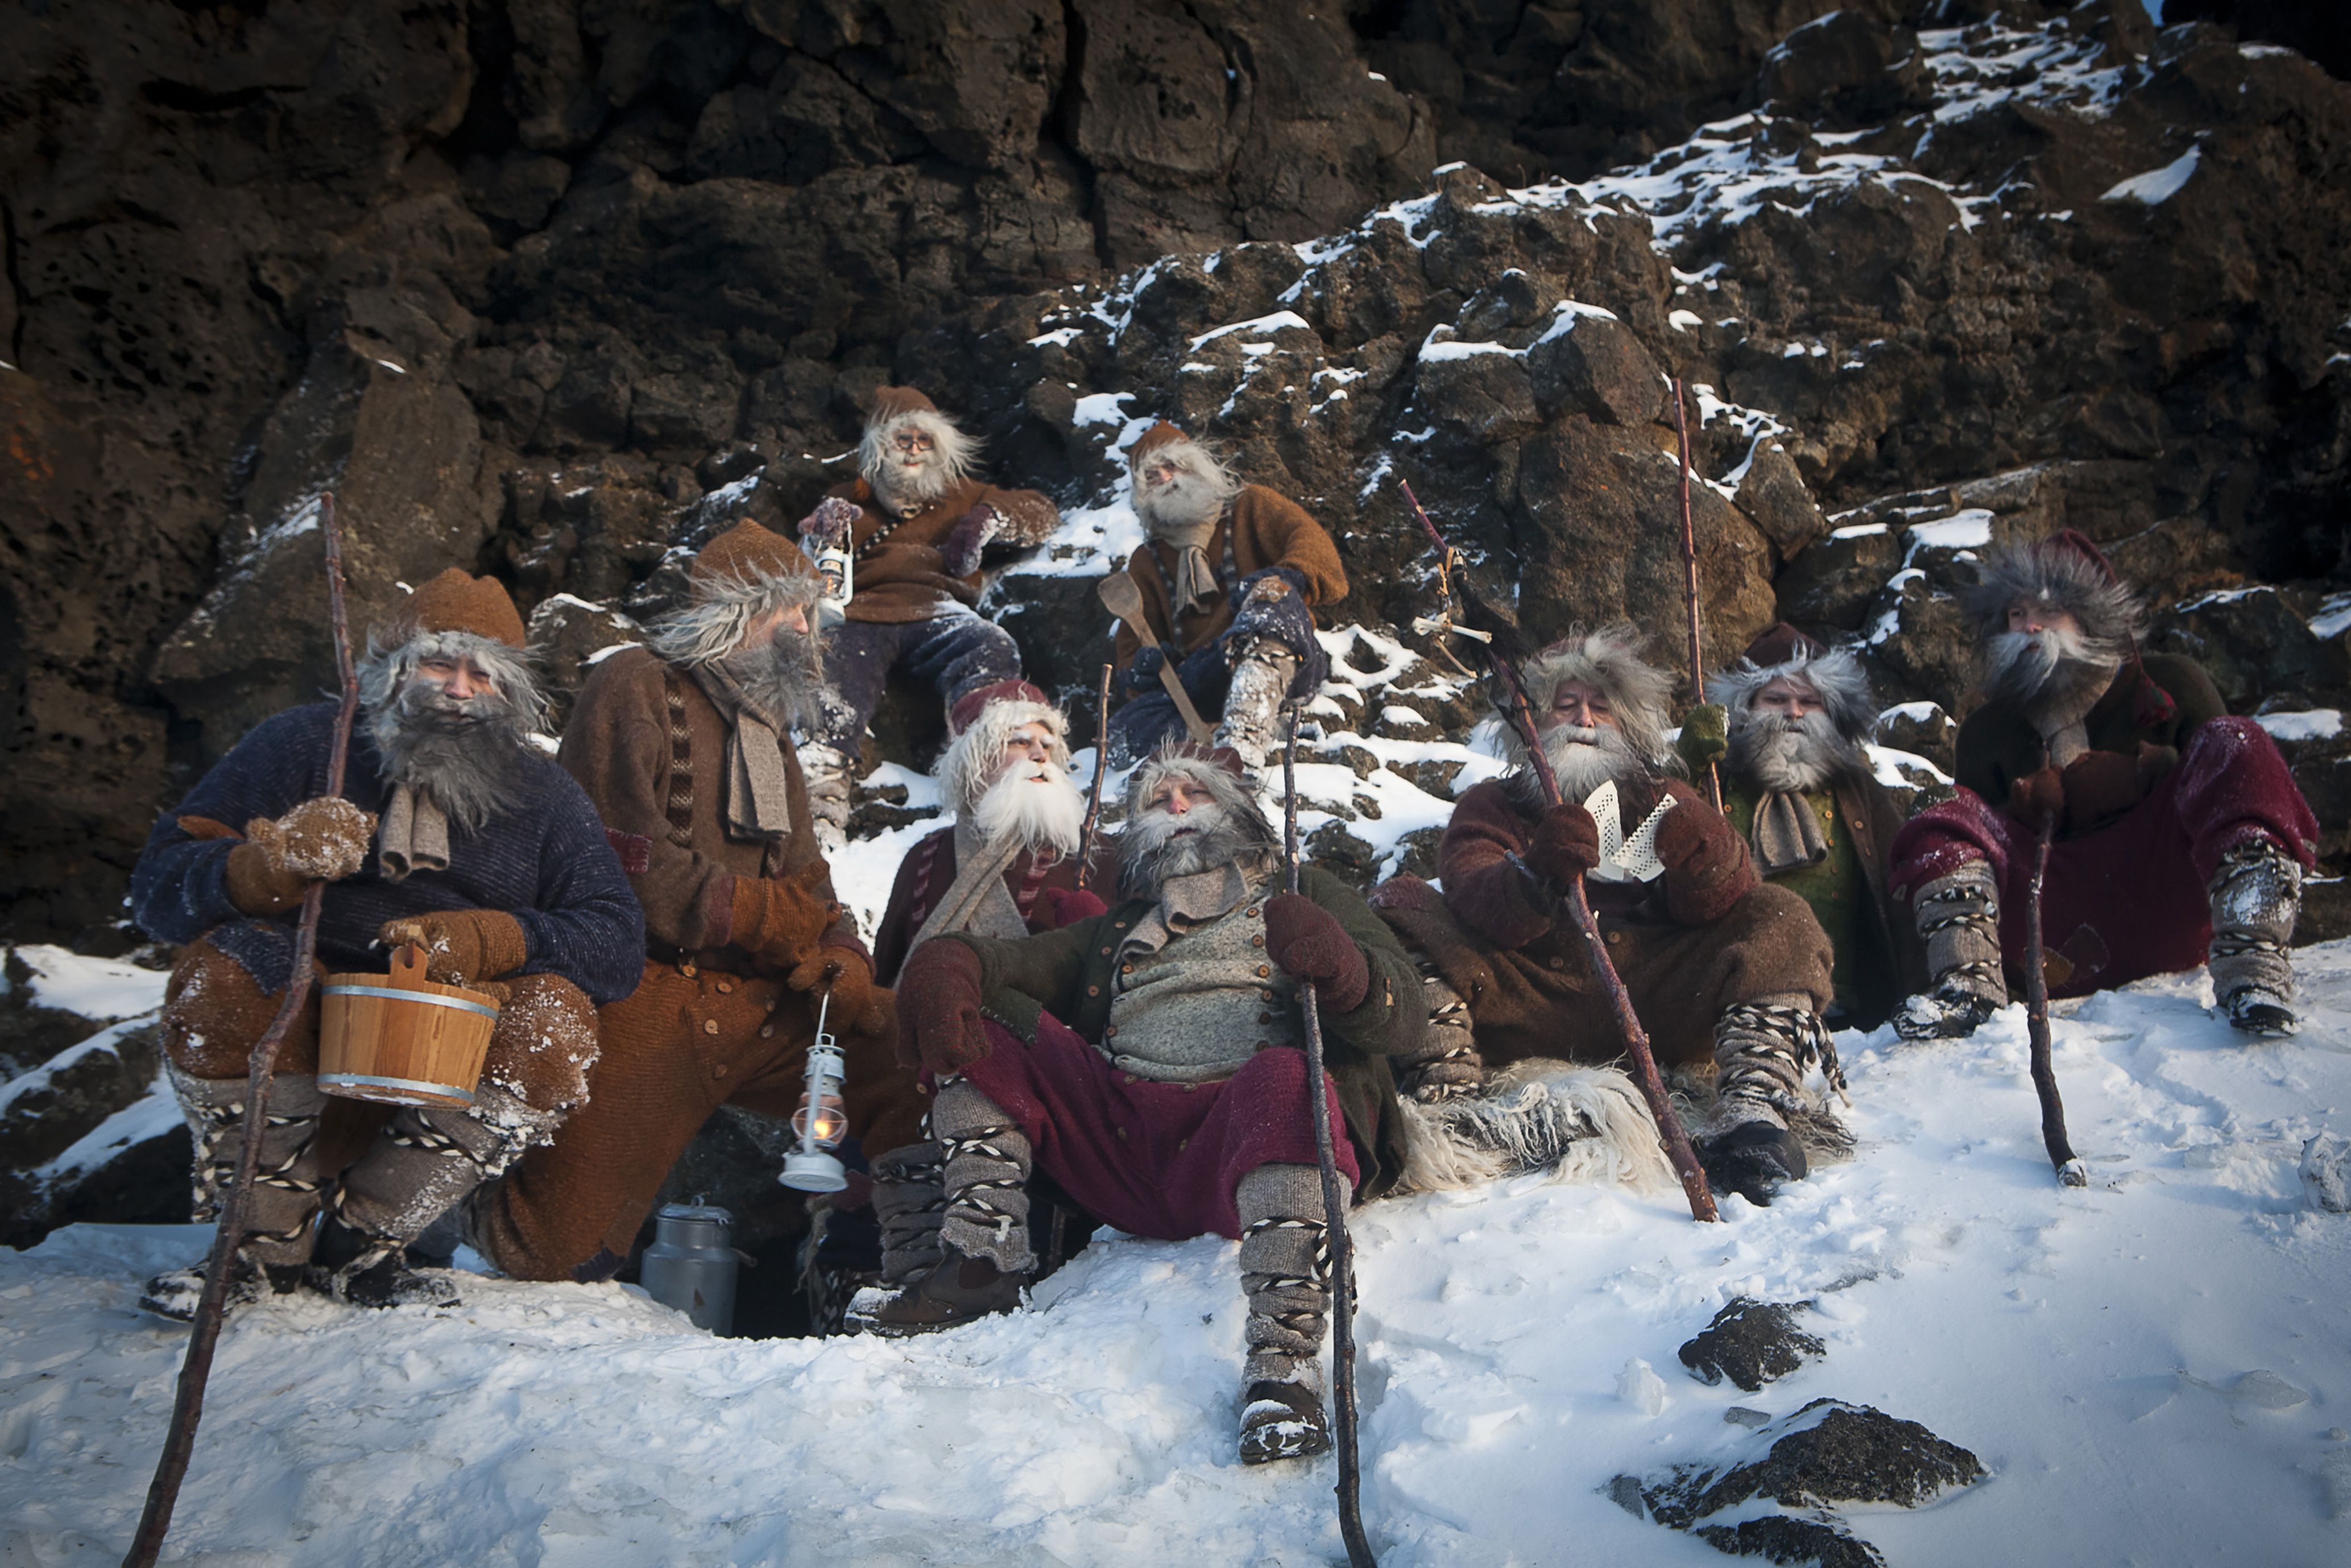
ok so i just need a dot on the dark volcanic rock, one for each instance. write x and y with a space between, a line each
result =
1750 1343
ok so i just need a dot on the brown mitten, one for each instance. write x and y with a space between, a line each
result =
858 1005
779 921
258 888
1564 845
2099 787
461 945
324 838
2038 798
1309 944
939 1026
1707 869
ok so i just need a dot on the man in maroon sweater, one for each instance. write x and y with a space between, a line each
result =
1722 967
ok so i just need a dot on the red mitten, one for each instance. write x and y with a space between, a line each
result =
831 523
1707 869
1309 944
969 537
2038 798
1564 845
939 1026
1067 905
2099 787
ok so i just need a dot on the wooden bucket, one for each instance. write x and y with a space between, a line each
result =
401 1038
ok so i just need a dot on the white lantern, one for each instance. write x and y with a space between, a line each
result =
820 1122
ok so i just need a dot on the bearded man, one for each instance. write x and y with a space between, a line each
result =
685 748
917 523
1230 575
1148 1059
2177 831
1724 970
1787 723
487 856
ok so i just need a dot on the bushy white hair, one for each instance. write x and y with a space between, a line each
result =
1835 673
710 625
971 761
952 451
1608 660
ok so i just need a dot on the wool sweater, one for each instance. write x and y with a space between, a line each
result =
1070 974
1999 744
928 871
649 747
1261 528
544 858
901 574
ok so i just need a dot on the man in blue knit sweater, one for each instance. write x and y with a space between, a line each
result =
451 832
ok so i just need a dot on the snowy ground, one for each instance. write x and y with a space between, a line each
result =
2093 1348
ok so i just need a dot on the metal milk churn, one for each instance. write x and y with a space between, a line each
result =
691 1264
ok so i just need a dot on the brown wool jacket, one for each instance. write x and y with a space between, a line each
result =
1266 529
668 821
901 574
1999 745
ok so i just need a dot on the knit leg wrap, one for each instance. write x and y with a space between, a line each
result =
427 1160
1285 1272
1959 922
280 1214
826 769
1262 672
1763 1049
910 1200
984 1172
2256 897
1449 1063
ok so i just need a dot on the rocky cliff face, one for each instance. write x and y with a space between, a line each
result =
551 290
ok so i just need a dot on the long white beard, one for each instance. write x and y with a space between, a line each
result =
1155 846
2048 666
904 487
1037 804
1584 759
1791 756
1184 505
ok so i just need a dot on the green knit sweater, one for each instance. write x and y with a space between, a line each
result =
1834 886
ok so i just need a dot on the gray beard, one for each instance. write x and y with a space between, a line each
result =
1796 756
1051 815
1151 854
2053 675
784 678
903 489
1185 506
466 756
1584 759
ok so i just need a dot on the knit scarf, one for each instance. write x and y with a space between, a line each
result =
1195 580
978 902
413 836
758 797
1787 833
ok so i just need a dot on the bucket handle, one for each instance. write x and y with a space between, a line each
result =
408 967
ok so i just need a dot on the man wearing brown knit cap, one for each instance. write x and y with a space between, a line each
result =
917 523
454 832
1229 575
685 747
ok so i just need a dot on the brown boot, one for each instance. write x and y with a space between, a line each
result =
953 1291
1282 1421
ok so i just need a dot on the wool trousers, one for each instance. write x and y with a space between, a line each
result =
2129 899
689 1040
956 650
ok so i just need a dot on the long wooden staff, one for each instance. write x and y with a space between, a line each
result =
1094 789
2070 1170
188 1406
1690 581
1334 1211
1628 1023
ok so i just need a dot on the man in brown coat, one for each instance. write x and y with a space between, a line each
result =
1722 969
1787 724
917 523
1230 576
685 747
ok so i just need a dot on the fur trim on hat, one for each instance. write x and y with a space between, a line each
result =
955 452
1835 673
389 662
721 608
970 763
1219 771
2064 575
1608 660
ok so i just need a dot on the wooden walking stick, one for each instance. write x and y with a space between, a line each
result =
1334 1212
1690 581
2070 1169
188 1405
1094 789
1500 656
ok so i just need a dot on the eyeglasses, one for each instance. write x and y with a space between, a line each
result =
911 441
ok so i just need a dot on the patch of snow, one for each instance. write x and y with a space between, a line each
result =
2157 185
1060 337
2333 617
151 1115
1968 530
600 654
1273 323
2312 724
1857 530
1683 320
100 989
1895 768
1100 408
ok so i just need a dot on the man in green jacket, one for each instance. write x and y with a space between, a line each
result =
1149 1061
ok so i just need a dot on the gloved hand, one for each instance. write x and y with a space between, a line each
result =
1706 868
829 524
324 838
863 1007
1705 738
939 1027
969 537
1309 944
778 921
461 945
1564 845
1067 905
1143 676
2099 787
1268 585
2038 798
